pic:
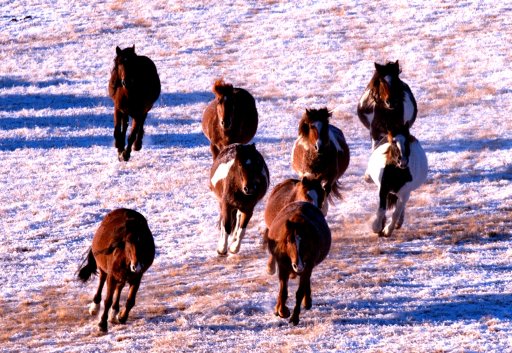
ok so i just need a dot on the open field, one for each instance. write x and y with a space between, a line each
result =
443 283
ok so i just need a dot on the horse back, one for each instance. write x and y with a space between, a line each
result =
281 195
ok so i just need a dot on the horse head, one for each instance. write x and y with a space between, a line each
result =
124 65
386 86
314 127
293 244
251 167
225 103
399 139
312 191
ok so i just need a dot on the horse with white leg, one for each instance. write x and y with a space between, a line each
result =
239 178
398 166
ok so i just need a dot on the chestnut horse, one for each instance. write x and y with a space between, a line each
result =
299 239
386 103
229 118
320 151
134 87
286 192
239 178
122 249
398 166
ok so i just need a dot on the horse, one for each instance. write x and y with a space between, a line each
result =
134 87
231 117
239 178
320 151
397 166
122 250
286 192
387 102
299 239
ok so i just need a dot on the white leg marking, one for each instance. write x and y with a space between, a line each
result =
113 316
94 308
222 244
221 172
379 221
238 234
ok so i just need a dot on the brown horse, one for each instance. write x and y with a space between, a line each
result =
122 249
386 103
239 178
134 87
286 192
299 239
320 151
230 118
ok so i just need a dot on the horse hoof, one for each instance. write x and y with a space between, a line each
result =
137 146
102 327
284 312
122 317
222 252
308 303
368 179
234 248
94 308
294 320
124 156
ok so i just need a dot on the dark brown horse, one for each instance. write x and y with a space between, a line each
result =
386 103
239 178
286 192
122 249
230 118
299 239
320 152
134 87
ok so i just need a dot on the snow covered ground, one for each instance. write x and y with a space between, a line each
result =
443 283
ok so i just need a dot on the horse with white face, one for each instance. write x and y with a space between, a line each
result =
298 239
320 151
239 178
387 102
397 166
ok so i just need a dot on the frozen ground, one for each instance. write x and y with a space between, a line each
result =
443 283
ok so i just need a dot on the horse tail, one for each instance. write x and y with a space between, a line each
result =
335 193
391 200
88 267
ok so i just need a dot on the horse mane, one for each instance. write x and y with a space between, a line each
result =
221 88
381 71
312 115
391 150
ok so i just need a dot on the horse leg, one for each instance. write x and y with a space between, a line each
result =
137 145
130 301
271 265
242 220
111 286
379 221
399 209
225 230
120 125
301 295
95 304
114 311
401 218
131 139
281 309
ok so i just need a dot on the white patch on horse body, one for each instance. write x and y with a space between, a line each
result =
221 172
408 108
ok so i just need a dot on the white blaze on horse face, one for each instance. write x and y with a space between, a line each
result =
318 126
297 264
221 172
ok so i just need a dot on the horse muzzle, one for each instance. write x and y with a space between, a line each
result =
136 268
298 267
403 163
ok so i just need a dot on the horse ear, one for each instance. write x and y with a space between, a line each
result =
118 50
378 67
